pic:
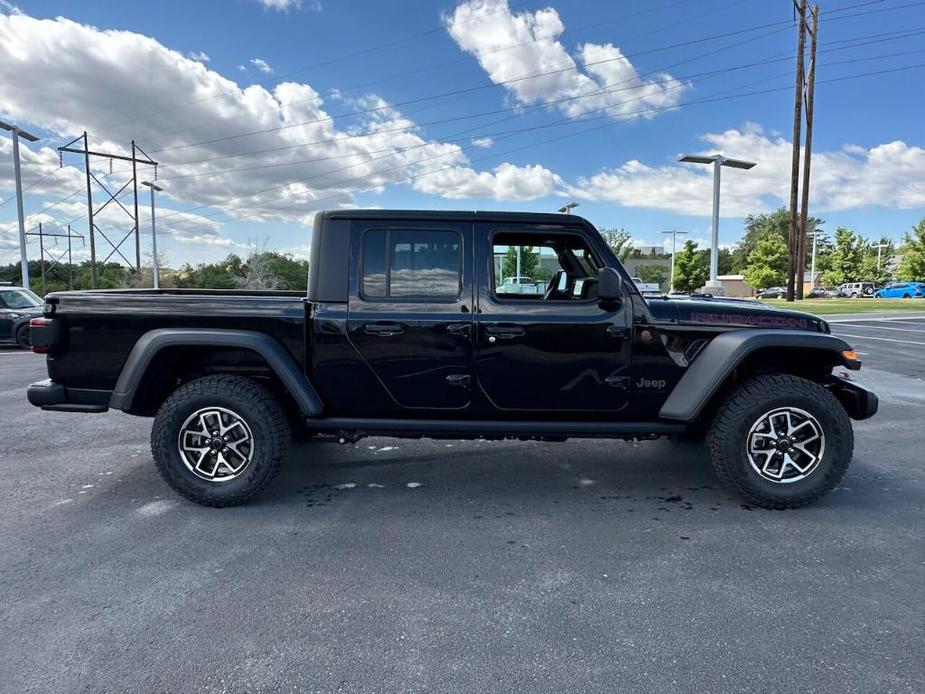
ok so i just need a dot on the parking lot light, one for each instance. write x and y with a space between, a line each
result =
718 161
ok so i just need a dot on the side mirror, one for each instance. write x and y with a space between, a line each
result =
609 285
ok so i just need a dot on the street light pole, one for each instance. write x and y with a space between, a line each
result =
17 175
674 237
718 161
880 246
812 267
155 269
568 207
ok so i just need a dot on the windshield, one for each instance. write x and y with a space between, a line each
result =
19 298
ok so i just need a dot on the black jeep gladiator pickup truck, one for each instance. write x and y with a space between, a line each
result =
409 329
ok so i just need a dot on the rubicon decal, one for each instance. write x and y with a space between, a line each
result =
750 320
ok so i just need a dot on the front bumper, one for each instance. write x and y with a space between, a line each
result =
53 396
858 401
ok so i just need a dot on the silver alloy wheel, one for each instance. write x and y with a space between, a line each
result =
785 445
215 444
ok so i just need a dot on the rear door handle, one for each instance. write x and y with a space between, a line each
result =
384 329
459 380
502 332
458 328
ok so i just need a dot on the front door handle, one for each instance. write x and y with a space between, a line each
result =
618 331
459 380
503 332
384 329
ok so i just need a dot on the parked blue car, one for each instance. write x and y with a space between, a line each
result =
901 290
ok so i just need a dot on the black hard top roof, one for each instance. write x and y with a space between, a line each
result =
459 216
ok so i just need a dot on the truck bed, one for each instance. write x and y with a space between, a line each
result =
103 325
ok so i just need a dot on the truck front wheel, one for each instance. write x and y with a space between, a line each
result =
220 440
780 441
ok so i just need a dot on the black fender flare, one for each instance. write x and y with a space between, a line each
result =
726 351
278 359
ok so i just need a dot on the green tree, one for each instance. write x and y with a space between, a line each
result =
529 259
844 260
776 223
767 263
690 270
620 242
653 273
912 264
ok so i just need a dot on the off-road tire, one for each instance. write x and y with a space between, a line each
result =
728 432
251 402
24 337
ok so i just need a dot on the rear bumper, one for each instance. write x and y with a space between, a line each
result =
858 401
53 396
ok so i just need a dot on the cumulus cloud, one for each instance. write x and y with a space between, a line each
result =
262 65
506 182
199 56
286 5
123 86
886 175
483 142
604 79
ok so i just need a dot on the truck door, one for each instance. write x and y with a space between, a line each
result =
550 347
410 312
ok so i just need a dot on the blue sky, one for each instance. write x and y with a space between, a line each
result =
869 131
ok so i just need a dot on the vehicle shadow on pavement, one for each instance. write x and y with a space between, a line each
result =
648 476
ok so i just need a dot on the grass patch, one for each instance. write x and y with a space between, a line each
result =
823 307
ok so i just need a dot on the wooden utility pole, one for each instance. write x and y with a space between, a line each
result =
807 156
795 160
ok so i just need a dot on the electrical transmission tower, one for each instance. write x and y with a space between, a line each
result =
56 257
115 243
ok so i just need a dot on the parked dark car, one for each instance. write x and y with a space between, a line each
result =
819 293
772 293
17 306
407 331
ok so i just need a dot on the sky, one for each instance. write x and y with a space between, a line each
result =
262 112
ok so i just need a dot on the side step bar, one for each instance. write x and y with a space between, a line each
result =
469 428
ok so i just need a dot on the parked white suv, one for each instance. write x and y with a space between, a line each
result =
857 290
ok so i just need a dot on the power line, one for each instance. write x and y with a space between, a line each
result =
468 132
467 90
714 99
440 29
465 58
515 80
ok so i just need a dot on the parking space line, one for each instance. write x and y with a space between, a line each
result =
883 327
882 339
914 320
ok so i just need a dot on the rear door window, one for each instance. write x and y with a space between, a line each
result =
408 264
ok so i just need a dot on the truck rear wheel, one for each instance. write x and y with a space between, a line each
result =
780 441
220 440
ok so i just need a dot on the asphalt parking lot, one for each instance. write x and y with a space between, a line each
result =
436 566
